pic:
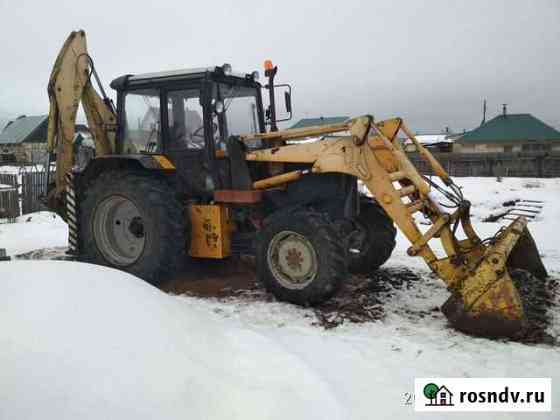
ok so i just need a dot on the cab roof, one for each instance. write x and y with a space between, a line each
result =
172 75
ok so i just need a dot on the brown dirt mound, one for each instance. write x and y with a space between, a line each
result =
539 298
361 298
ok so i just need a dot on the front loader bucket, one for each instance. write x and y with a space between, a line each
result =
487 301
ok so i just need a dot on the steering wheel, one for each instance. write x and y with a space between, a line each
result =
199 132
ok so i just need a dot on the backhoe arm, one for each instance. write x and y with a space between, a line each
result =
69 85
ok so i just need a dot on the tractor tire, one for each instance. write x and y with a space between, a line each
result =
371 245
134 222
301 258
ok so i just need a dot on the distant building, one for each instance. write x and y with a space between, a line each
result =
441 143
311 122
26 138
509 133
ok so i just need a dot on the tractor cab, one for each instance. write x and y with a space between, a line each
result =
188 115
191 109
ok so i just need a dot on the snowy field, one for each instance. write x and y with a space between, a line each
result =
81 341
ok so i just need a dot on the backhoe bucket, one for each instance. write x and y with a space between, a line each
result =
488 302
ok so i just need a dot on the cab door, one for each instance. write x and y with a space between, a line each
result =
188 127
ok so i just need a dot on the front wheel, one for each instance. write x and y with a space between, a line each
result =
301 258
373 241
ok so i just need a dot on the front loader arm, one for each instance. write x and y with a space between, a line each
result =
69 85
484 299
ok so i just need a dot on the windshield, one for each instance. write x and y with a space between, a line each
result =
240 109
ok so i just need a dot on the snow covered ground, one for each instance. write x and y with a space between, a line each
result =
33 231
81 341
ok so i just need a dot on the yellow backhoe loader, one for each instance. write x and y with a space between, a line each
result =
185 165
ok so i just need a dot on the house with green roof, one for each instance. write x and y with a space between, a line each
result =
312 122
510 133
26 138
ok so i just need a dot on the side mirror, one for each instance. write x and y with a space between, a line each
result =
286 91
288 101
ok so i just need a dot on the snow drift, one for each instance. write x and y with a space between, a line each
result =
81 341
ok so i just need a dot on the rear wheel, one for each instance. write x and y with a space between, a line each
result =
300 258
133 222
372 243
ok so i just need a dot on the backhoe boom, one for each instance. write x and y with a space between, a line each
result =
69 85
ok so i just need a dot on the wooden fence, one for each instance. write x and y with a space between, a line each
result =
32 185
524 164
9 204
20 193
9 197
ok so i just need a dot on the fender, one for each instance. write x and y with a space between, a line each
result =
146 162
77 181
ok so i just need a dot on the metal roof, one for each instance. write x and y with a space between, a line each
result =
310 122
20 129
511 128
179 73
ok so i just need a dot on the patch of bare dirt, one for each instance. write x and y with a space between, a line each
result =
214 278
540 299
360 298
57 253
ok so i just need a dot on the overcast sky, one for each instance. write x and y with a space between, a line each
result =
431 62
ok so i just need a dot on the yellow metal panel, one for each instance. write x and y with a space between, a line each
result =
211 231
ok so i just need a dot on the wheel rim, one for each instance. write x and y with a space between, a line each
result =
119 231
292 260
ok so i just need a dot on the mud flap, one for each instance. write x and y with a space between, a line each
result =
487 302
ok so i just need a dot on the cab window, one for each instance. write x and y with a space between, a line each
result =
142 124
240 109
185 120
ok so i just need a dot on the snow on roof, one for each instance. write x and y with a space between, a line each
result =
433 138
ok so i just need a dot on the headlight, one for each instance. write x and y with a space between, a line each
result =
226 68
219 107
255 75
